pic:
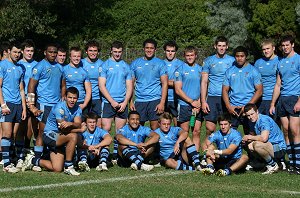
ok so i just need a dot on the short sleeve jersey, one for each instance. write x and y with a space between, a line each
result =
242 82
12 75
190 76
49 76
147 74
27 66
223 141
95 137
93 69
116 75
215 67
137 136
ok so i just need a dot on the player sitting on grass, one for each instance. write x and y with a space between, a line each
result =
268 142
132 145
177 150
95 146
227 155
60 135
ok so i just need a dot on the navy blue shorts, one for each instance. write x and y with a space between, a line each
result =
95 107
223 163
216 106
185 112
264 108
46 111
286 105
147 110
84 111
15 113
172 108
109 112
50 138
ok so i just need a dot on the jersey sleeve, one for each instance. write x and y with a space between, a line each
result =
78 112
256 76
163 69
86 75
59 112
179 73
226 78
212 138
1 71
37 71
237 139
128 72
206 66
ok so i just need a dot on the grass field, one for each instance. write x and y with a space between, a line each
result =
124 182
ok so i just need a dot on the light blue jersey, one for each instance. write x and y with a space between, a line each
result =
172 66
76 77
215 67
268 70
167 141
147 74
61 112
190 76
49 76
93 69
242 82
223 141
12 75
94 138
137 136
116 75
27 66
289 71
265 123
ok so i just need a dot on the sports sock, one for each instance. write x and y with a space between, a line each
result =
38 151
182 166
193 154
130 154
5 144
104 155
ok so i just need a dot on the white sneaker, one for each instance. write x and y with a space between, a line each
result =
10 169
37 169
134 166
114 161
1 163
271 169
158 165
203 163
283 166
249 167
27 165
208 171
198 168
104 166
83 166
71 171
147 167
20 164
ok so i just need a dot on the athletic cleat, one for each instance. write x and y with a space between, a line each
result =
133 166
203 163
221 173
83 166
37 169
147 167
294 171
158 165
20 164
208 171
104 166
1 163
10 169
27 165
198 168
283 166
271 169
249 167
114 161
71 171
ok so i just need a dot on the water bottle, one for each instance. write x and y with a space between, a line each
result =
193 119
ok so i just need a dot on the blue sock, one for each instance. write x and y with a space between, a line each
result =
20 149
82 155
5 144
297 155
210 166
67 164
104 155
130 154
193 154
38 151
115 151
182 166
270 161
290 154
228 171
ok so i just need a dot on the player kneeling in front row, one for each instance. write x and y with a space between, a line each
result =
60 135
227 156
94 146
177 150
268 142
132 145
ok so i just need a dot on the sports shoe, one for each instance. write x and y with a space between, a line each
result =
283 166
221 173
1 163
249 167
19 164
198 168
147 167
208 171
83 166
114 161
203 163
27 165
133 166
71 171
102 167
37 169
271 169
10 169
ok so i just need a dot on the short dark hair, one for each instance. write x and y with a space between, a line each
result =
117 44
150 40
288 37
170 44
50 45
75 48
240 49
190 49
250 106
92 43
62 49
221 39
72 90
90 115
15 44
165 115
27 43
225 117
133 113
5 46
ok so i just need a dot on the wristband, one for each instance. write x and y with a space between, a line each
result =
219 152
4 107
30 98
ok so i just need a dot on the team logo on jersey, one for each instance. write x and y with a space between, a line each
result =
8 70
69 75
48 70
176 74
92 66
117 65
14 68
246 74
213 65
111 68
34 71
186 73
233 75
61 112
192 70
76 72
100 69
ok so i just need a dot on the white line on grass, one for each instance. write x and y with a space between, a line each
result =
96 181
